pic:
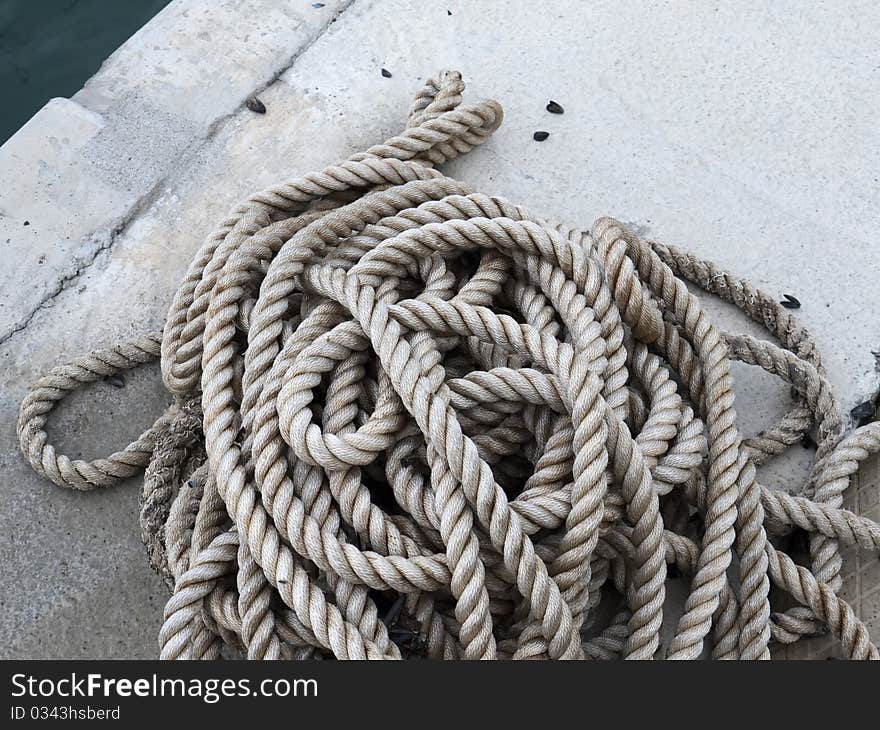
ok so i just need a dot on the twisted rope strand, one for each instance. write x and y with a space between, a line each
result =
414 420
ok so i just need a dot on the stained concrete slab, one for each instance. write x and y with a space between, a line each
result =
743 137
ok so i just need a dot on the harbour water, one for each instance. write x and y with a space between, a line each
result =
50 48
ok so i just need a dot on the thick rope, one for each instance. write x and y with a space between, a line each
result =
412 420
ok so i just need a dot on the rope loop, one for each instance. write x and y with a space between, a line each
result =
414 420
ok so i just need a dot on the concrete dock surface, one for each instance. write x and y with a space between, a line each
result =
746 134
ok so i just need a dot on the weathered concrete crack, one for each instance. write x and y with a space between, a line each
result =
105 243
106 240
218 124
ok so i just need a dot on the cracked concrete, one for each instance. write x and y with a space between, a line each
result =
739 136
132 135
103 242
89 187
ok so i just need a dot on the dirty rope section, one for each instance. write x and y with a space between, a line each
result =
411 420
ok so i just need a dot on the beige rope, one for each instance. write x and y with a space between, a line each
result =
415 420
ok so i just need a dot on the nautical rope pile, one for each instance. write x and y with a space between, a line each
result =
414 420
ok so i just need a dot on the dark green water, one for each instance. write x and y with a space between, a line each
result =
50 47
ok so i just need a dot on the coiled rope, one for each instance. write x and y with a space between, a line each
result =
412 420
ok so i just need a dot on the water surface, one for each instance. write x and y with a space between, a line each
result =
51 47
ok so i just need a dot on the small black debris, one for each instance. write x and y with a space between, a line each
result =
255 105
386 73
117 381
393 612
798 543
318 5
555 108
790 302
449 12
863 413
27 223
540 136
